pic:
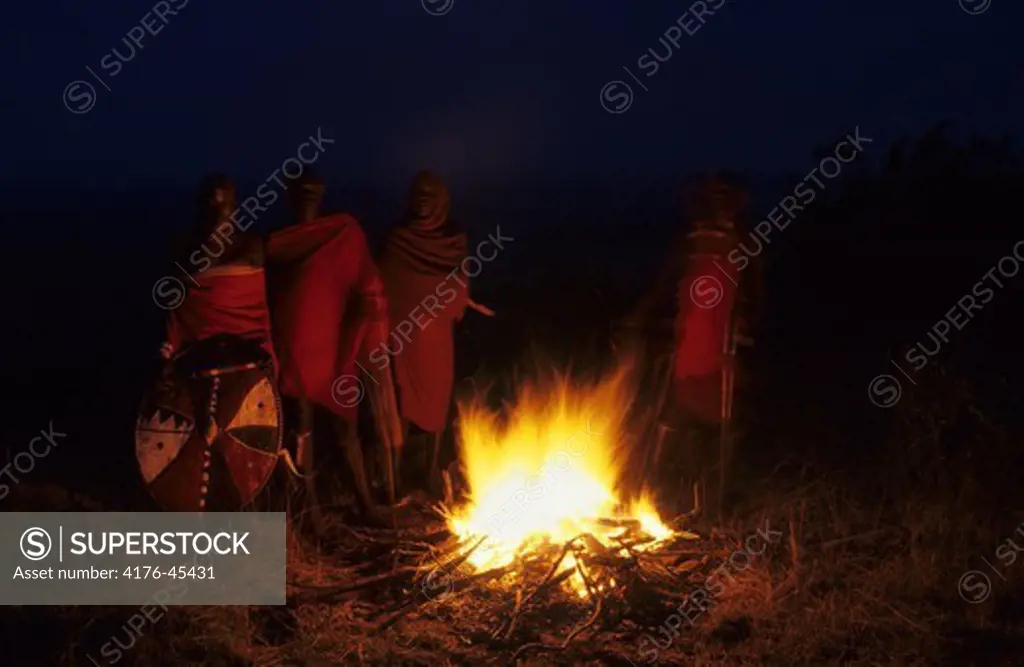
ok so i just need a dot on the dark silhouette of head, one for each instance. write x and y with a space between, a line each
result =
305 195
715 201
215 202
429 202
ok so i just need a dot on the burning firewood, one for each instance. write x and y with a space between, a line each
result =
535 563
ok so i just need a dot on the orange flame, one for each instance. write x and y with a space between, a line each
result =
548 471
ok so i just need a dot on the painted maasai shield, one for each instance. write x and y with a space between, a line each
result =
208 436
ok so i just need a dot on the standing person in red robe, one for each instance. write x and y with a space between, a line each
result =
715 288
229 291
329 310
421 267
219 356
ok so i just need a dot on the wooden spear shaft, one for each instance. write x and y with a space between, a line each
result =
483 310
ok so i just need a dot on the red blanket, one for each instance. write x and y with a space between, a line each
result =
425 309
417 261
328 306
706 298
230 299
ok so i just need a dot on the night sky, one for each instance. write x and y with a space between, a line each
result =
491 91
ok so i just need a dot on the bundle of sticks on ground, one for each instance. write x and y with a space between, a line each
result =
552 598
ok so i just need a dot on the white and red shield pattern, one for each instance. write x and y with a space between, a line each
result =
209 440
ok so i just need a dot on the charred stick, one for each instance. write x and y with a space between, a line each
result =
320 593
853 538
549 579
591 588
551 583
595 546
687 559
457 587
554 569
394 537
457 562
628 547
540 646
515 617
617 523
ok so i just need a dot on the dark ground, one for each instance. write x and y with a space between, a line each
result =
887 508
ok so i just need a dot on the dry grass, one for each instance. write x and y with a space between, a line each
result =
861 576
839 587
843 586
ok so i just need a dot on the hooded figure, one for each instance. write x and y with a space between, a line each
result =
427 293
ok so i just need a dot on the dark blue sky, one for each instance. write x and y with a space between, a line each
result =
494 90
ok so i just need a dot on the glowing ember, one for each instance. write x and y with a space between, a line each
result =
548 472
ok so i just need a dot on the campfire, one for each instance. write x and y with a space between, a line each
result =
549 472
553 540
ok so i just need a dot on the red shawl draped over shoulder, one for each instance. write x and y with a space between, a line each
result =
427 292
230 298
706 300
328 304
